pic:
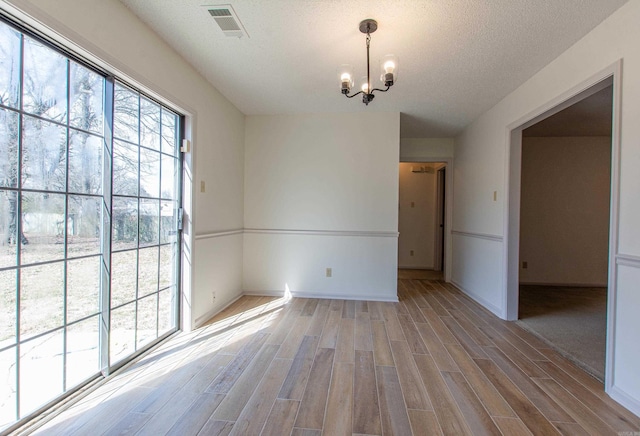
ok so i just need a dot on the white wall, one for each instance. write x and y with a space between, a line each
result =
414 149
321 191
564 210
417 216
482 157
114 37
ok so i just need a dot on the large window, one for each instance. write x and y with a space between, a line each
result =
89 200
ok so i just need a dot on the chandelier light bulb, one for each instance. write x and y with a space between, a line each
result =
389 66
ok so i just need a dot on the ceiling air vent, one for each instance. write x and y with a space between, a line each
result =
227 20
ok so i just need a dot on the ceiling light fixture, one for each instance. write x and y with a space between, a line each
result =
388 65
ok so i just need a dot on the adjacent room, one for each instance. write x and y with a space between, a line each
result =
564 229
305 218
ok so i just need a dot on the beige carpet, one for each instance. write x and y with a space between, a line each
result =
572 320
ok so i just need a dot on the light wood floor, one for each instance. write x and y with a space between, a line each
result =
434 363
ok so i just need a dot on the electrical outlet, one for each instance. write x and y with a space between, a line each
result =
328 272
202 186
495 195
525 265
411 253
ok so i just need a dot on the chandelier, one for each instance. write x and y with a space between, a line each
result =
388 66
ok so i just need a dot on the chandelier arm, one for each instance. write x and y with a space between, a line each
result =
381 90
353 95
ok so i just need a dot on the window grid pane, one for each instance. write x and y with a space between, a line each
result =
69 193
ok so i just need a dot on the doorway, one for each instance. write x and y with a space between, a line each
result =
421 219
564 229
513 263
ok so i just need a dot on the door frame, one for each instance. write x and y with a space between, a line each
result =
611 75
448 205
441 187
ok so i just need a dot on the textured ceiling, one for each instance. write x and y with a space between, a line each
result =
458 58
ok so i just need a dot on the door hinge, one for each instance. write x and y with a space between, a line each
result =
180 218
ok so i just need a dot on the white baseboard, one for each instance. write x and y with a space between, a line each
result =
484 303
632 404
264 293
417 268
328 296
213 312
566 285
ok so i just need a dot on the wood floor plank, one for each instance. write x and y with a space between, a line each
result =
606 409
196 383
340 404
381 347
227 378
415 394
241 338
542 401
375 312
216 428
330 331
314 400
131 423
414 310
394 331
472 330
192 421
570 429
336 305
393 412
526 411
305 432
366 411
525 364
349 309
243 388
281 330
254 415
416 344
424 422
281 418
362 306
319 320
475 415
309 308
443 332
463 338
296 380
292 342
435 304
104 411
435 348
444 405
180 401
418 298
588 420
362 339
587 380
511 426
345 343
517 341
490 397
